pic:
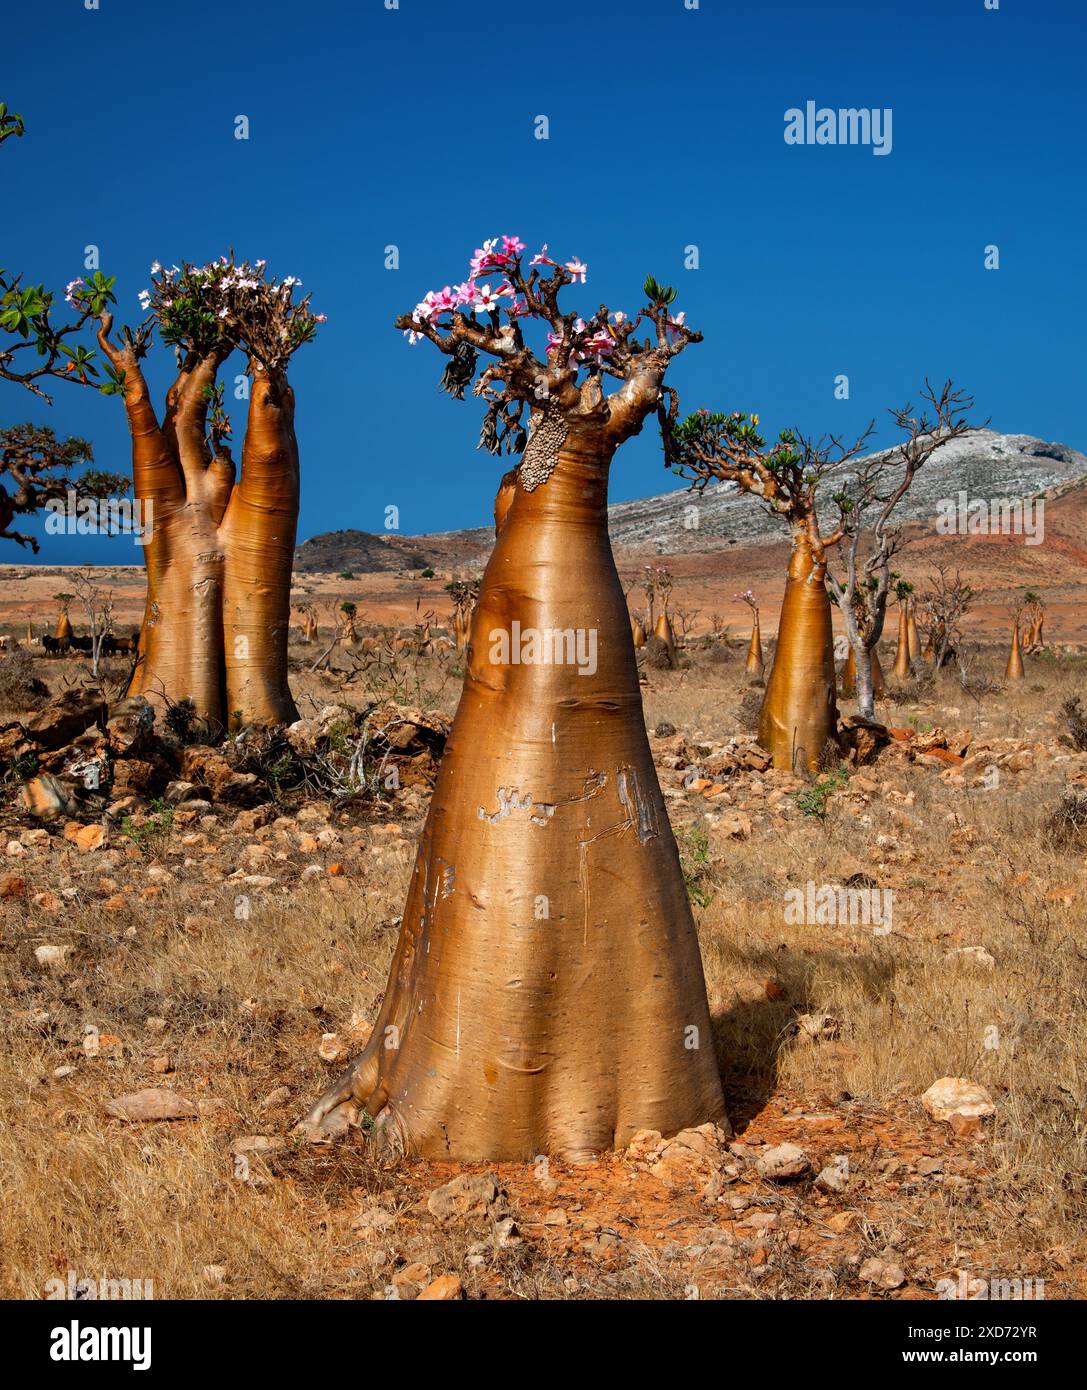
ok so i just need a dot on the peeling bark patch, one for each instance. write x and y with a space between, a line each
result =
547 436
510 800
641 811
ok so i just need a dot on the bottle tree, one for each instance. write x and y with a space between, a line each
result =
219 559
546 995
799 714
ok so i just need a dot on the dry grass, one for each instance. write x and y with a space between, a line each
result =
245 1002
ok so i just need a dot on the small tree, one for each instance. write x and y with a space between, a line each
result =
799 710
903 658
1035 606
348 636
754 651
98 606
874 489
943 605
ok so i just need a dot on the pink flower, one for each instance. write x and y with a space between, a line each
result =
464 293
541 257
444 301
518 309
487 258
619 317
512 245
487 298
600 345
577 271
71 287
320 318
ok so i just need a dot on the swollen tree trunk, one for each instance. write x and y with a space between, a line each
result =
754 651
902 654
799 712
664 632
1014 669
257 536
915 636
63 627
546 995
637 632
219 556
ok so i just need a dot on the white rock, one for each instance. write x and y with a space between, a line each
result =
885 1273
957 1095
51 957
783 1163
971 955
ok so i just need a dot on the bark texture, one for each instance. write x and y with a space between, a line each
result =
754 650
903 662
220 553
799 713
1014 669
546 995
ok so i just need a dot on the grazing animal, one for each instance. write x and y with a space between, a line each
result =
56 646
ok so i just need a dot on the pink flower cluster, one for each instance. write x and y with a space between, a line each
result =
479 295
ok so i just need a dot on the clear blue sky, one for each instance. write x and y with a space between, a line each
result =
415 127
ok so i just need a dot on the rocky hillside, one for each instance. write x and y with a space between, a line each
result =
987 464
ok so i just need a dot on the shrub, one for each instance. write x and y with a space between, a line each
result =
20 688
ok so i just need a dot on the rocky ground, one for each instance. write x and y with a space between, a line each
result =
192 947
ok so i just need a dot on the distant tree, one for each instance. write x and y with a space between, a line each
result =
943 605
872 490
38 468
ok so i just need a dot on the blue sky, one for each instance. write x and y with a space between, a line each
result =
415 127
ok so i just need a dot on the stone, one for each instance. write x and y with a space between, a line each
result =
957 1095
886 1273
410 1281
971 955
207 767
736 827
47 797
468 1195
444 1289
331 1048
818 1026
835 1176
12 886
372 1220
644 1144
152 1103
67 716
783 1163
85 837
928 1166
130 727
136 777
51 957
178 792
